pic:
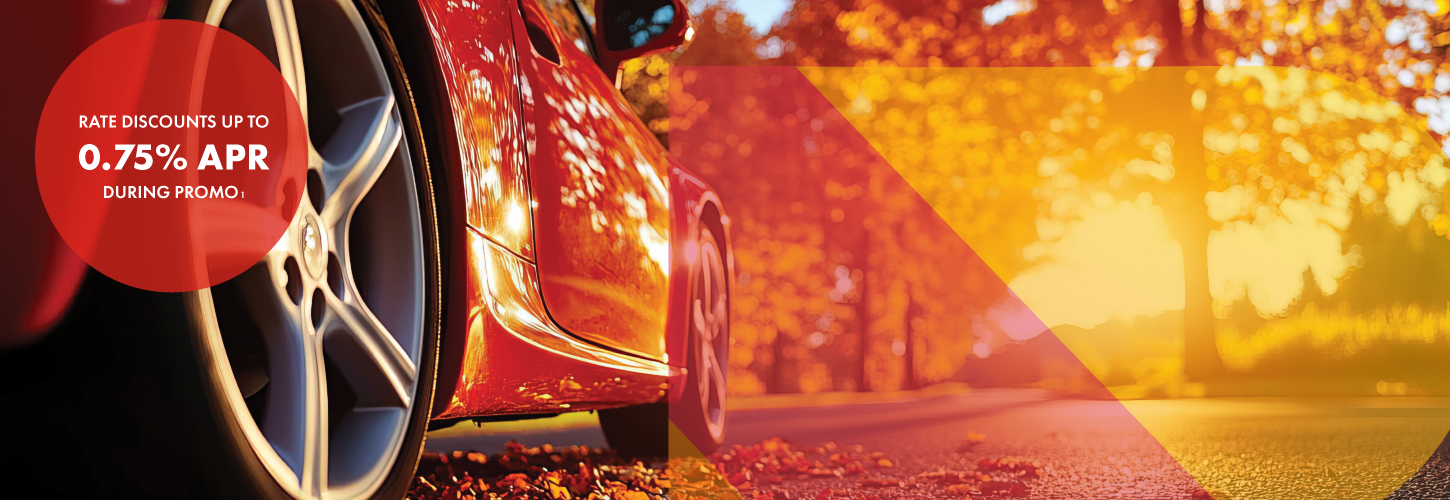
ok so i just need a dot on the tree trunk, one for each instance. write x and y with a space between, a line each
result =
777 365
1190 184
1200 347
909 360
863 308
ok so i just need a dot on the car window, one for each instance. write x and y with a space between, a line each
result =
566 18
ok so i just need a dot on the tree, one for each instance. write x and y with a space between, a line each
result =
1337 41
721 39
1012 158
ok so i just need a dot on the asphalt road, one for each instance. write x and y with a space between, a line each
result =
1306 447
1241 448
1092 449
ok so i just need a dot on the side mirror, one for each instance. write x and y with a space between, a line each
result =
629 29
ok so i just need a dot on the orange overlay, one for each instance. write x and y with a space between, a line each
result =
1209 270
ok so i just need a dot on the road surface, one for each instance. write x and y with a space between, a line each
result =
1241 448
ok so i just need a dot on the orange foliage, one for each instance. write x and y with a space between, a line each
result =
1348 130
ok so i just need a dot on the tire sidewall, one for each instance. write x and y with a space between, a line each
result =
400 477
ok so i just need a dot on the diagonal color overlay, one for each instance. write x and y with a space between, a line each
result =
777 148
1070 182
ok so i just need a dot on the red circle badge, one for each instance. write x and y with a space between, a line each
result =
171 155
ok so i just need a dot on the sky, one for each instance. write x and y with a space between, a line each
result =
760 14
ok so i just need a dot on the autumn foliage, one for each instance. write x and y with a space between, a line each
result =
537 473
1298 191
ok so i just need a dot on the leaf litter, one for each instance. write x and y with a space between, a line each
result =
773 469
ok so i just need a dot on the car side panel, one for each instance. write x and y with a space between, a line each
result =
502 353
465 74
600 185
475 55
519 362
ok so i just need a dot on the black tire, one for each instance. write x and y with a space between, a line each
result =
126 398
640 431
113 395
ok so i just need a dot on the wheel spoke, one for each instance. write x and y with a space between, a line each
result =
276 20
289 49
295 420
711 381
285 45
709 321
377 367
314 419
702 323
717 318
715 374
283 279
357 153
707 367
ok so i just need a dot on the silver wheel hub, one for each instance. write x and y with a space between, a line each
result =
314 247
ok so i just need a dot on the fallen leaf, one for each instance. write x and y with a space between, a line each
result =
962 489
1009 488
880 482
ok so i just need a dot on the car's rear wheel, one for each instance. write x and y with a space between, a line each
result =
318 362
700 412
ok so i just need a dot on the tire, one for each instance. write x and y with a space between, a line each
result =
312 373
639 431
349 355
643 430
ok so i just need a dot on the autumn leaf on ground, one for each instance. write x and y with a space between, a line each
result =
1009 488
540 473
822 472
973 439
962 489
769 470
950 478
880 482
774 460
1025 468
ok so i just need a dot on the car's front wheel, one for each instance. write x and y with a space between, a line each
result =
317 364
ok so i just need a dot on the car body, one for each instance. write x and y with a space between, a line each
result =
605 197
567 224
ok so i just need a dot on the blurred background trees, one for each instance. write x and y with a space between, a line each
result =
1288 170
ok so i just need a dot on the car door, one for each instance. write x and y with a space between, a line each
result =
599 184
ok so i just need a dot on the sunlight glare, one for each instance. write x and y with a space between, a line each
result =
1119 261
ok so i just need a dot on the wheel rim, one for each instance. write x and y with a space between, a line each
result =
323 336
710 323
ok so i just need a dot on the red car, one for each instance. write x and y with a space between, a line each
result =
489 233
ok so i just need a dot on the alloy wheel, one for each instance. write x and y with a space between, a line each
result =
710 325
323 337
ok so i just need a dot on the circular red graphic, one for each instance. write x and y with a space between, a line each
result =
171 155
